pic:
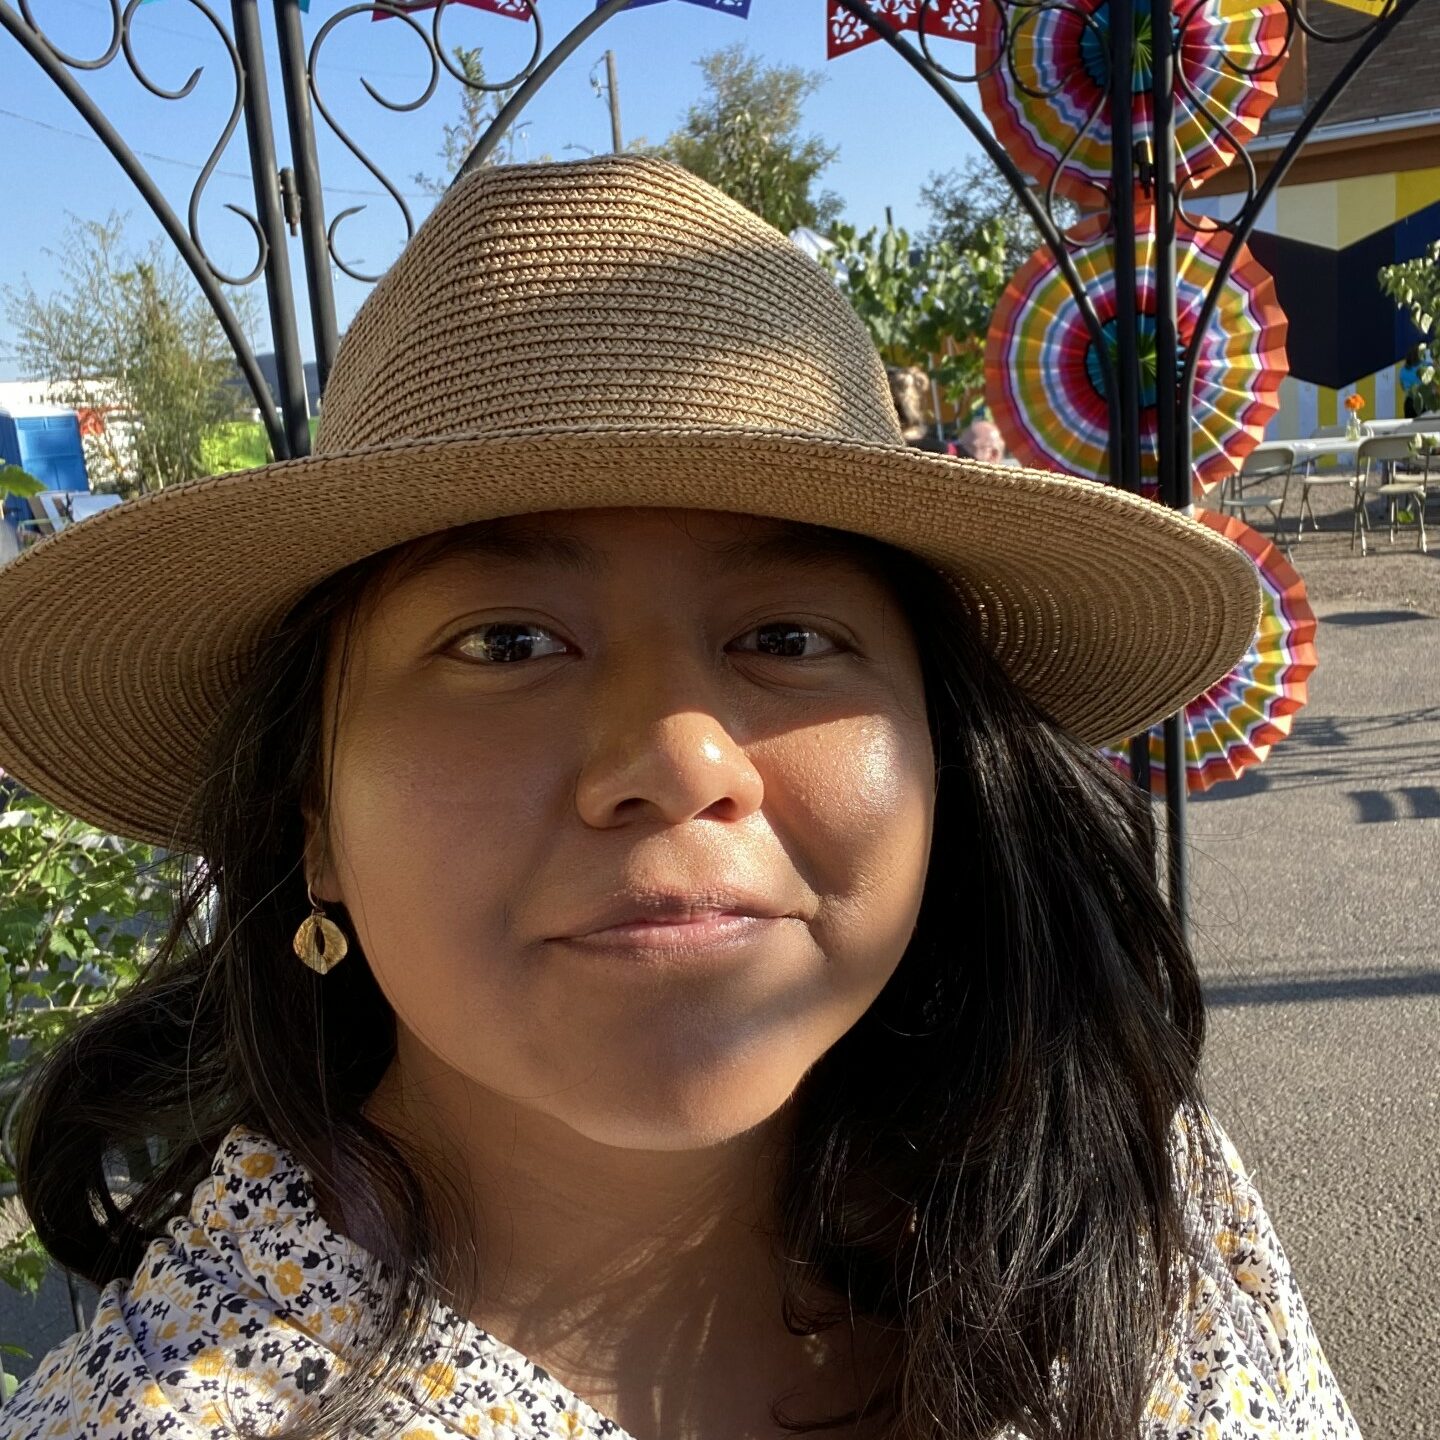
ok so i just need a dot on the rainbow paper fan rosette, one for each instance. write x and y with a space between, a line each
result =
1044 82
1044 381
1235 722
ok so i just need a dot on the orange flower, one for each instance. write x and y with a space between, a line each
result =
1354 403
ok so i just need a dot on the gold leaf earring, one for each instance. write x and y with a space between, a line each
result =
319 941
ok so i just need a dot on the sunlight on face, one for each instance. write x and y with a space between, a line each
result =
631 812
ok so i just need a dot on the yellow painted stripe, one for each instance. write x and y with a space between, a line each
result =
1365 204
1415 189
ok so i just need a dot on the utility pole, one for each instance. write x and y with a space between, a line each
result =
612 91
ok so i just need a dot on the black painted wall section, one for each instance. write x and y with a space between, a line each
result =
1342 325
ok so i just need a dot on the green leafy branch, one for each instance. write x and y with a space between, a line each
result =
928 305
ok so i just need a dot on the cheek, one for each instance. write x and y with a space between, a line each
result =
436 827
853 803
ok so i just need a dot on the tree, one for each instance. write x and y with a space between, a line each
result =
129 336
964 202
478 108
743 136
1414 285
928 304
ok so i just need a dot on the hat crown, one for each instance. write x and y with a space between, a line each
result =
616 293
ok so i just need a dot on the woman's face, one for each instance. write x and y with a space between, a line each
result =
631 812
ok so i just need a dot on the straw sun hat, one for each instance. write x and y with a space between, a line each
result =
612 332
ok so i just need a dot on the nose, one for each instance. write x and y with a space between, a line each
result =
661 749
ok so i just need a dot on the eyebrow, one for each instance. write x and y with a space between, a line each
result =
792 547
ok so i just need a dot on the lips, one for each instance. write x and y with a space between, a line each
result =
666 920
716 930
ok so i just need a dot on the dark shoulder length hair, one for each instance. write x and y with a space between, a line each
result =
984 1166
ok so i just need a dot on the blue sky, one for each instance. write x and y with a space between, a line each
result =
891 130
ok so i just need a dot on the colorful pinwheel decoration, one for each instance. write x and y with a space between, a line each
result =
1045 74
1045 380
1234 723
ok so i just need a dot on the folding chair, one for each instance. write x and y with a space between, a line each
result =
1253 486
49 512
1389 452
53 510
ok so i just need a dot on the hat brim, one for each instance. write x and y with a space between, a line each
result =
123 637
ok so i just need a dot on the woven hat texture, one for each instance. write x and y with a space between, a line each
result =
603 333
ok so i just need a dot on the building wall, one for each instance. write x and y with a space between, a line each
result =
1403 75
1324 242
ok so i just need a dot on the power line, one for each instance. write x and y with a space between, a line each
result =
190 164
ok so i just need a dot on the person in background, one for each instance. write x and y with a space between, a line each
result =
910 389
981 440
1416 362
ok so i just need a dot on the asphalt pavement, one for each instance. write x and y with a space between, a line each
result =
1317 910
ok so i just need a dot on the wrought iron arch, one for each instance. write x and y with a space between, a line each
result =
293 196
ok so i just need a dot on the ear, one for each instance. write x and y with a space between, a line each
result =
318 866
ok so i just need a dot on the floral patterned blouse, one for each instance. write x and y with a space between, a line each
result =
238 1313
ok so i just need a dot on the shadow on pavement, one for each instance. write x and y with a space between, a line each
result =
1373 617
1363 755
1287 990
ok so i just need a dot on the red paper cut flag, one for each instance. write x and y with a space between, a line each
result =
944 19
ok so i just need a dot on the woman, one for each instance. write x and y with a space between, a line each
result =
736 999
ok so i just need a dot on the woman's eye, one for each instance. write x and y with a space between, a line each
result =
506 641
787 640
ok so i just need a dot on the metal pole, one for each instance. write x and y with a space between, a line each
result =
510 111
1124 446
290 369
307 178
1124 404
612 91
1172 413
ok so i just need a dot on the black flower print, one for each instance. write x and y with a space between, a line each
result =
311 1374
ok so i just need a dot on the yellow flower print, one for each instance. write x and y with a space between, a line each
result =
505 1414
153 1396
288 1277
208 1363
572 1426
257 1167
438 1380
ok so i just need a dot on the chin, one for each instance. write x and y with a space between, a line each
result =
673 1112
